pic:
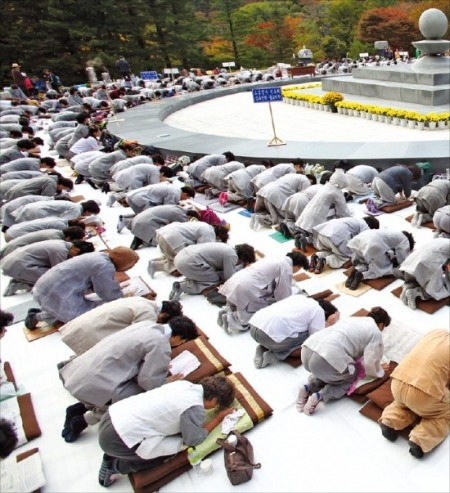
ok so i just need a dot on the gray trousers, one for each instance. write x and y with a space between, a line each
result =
127 460
281 349
384 195
326 248
325 378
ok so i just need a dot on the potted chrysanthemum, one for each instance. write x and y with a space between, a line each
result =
331 98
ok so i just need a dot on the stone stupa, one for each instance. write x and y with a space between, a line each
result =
425 81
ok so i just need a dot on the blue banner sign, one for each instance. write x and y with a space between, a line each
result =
267 95
151 75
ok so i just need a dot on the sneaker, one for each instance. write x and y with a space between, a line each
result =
302 398
107 472
176 291
320 265
313 262
415 450
223 198
356 281
258 358
389 433
312 403
121 224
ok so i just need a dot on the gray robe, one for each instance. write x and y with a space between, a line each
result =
441 220
433 196
137 176
272 174
41 185
255 287
151 195
60 292
25 227
129 162
126 363
84 332
10 154
215 175
293 206
271 197
5 186
30 238
205 264
20 175
28 263
100 168
145 224
373 251
331 237
58 208
425 265
240 182
7 210
352 182
21 164
329 201
197 168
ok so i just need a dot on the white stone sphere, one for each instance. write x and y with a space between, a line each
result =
433 24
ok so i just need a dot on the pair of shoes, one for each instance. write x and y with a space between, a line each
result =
80 179
223 198
74 428
313 262
91 183
312 403
301 242
284 230
136 243
106 187
176 291
258 358
107 472
31 320
389 433
77 409
349 280
302 398
356 281
320 265
415 450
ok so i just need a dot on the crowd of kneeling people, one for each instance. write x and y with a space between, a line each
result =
147 416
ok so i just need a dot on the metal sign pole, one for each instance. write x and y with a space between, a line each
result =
275 141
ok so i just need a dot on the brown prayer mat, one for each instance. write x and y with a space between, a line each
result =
309 250
429 224
428 306
397 207
363 288
377 284
30 425
43 329
301 276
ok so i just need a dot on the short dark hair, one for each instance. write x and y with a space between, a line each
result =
267 163
25 144
16 134
192 213
327 307
90 206
6 318
326 175
83 246
298 259
245 253
380 316
170 310
416 171
48 161
220 388
372 222
92 130
411 240
312 178
342 164
8 438
76 223
157 159
189 191
65 182
229 156
37 141
297 162
222 233
184 327
166 171
73 233
81 117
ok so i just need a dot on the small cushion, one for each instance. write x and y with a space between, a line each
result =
382 396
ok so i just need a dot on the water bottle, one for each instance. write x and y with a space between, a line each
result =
194 460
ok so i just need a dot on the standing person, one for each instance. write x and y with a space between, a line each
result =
420 387
19 78
124 68
330 356
52 79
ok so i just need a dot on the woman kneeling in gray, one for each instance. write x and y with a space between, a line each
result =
282 328
330 356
